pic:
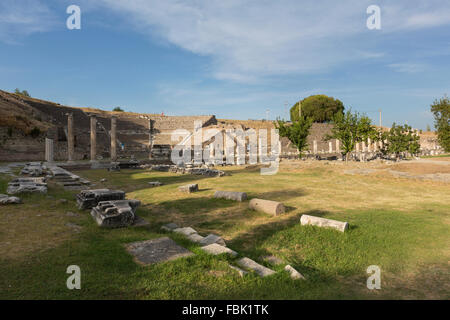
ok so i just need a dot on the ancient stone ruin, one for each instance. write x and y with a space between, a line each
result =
27 185
33 169
88 199
188 188
116 213
5 199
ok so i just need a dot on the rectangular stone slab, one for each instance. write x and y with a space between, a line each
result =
87 199
156 250
322 222
185 231
252 265
212 238
216 249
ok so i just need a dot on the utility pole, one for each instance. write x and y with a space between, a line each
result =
286 109
380 117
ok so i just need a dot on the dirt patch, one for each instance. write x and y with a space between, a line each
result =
420 168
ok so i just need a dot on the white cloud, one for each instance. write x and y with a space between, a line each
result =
23 17
251 39
407 67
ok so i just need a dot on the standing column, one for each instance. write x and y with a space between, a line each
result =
48 150
357 147
93 138
113 139
315 146
70 138
338 147
369 145
330 147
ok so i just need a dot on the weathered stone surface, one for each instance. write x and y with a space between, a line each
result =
27 185
155 184
294 273
185 231
256 267
33 169
157 250
4 199
216 249
189 188
169 227
231 195
272 260
267 206
116 213
239 270
212 238
322 222
87 199
195 237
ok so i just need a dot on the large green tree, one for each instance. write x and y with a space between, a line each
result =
297 132
320 108
441 110
401 139
351 128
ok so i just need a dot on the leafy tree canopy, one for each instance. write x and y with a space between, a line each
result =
401 139
441 111
320 108
22 93
297 132
350 128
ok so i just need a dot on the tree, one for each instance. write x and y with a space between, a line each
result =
118 109
297 132
351 128
320 108
401 139
22 93
441 111
428 128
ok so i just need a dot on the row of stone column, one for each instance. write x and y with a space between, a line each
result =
360 147
49 148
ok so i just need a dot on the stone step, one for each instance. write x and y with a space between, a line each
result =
248 263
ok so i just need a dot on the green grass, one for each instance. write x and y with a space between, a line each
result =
399 225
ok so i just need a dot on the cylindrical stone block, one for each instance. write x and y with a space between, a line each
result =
322 222
231 195
267 206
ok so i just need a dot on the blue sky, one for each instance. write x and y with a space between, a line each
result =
234 59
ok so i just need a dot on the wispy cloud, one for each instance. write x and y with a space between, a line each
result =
407 67
20 18
251 39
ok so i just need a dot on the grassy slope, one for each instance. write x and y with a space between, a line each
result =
400 225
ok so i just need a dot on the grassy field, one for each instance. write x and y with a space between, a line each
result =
401 225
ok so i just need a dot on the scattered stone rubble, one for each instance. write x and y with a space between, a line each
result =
5 199
67 179
33 169
155 184
188 188
27 185
188 169
116 213
215 245
88 199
